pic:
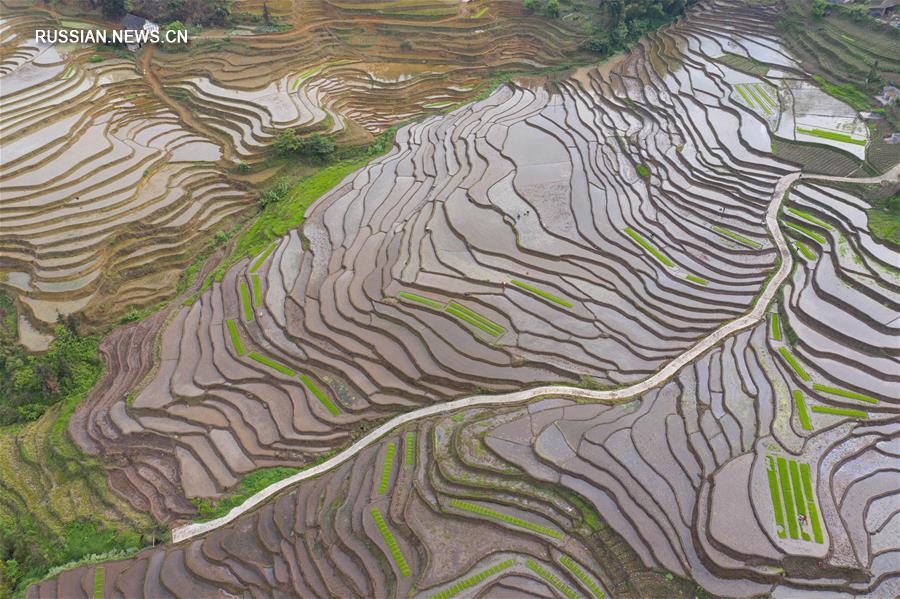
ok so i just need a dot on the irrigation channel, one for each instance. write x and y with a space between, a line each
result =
620 395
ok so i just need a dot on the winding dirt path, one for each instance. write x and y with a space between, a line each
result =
622 395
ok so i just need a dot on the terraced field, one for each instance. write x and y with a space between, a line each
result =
552 240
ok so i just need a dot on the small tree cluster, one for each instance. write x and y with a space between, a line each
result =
310 146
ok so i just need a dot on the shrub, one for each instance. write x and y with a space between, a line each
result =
311 146
277 193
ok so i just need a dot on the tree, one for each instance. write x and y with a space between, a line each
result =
312 146
553 8
818 8
531 5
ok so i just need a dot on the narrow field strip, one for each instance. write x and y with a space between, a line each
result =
802 411
99 575
477 320
844 393
777 511
787 497
807 216
793 501
776 327
480 13
811 503
798 497
554 580
262 257
542 293
789 357
410 448
580 574
639 239
807 232
245 301
489 513
850 413
696 279
386 469
278 366
764 106
740 88
235 337
831 135
326 401
257 291
458 587
412 297
761 89
805 250
737 237
391 541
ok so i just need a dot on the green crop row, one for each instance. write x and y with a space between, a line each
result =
639 239
422 300
581 575
235 338
787 355
792 494
760 88
806 231
257 291
805 250
410 448
245 299
262 257
737 237
391 541
480 13
776 327
832 135
326 401
489 513
840 412
696 279
553 579
477 320
386 469
810 218
458 587
272 364
98 582
844 393
542 293
802 412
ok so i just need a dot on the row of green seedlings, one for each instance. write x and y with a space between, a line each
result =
594 589
759 94
656 253
390 541
830 135
458 311
487 512
793 500
803 248
802 408
279 367
388 465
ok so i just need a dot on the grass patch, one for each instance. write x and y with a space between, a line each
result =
553 579
639 239
262 257
391 541
802 412
810 218
489 513
245 301
235 337
278 366
840 412
737 237
386 469
326 401
477 320
460 586
421 300
776 327
832 135
848 92
542 293
573 567
844 393
696 279
806 231
209 509
789 357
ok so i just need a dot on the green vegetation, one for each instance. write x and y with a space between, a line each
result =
410 448
848 92
581 575
776 497
489 513
807 232
886 225
832 135
245 300
802 412
95 58
789 482
98 582
278 366
840 412
473 580
811 503
210 509
643 170
615 26
391 542
787 497
235 337
554 580
257 292
326 401
276 193
386 469
422 300
845 393
776 327
740 88
696 279
761 90
542 293
29 384
805 250
480 13
737 237
262 257
809 217
787 355
477 320
313 146
639 239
